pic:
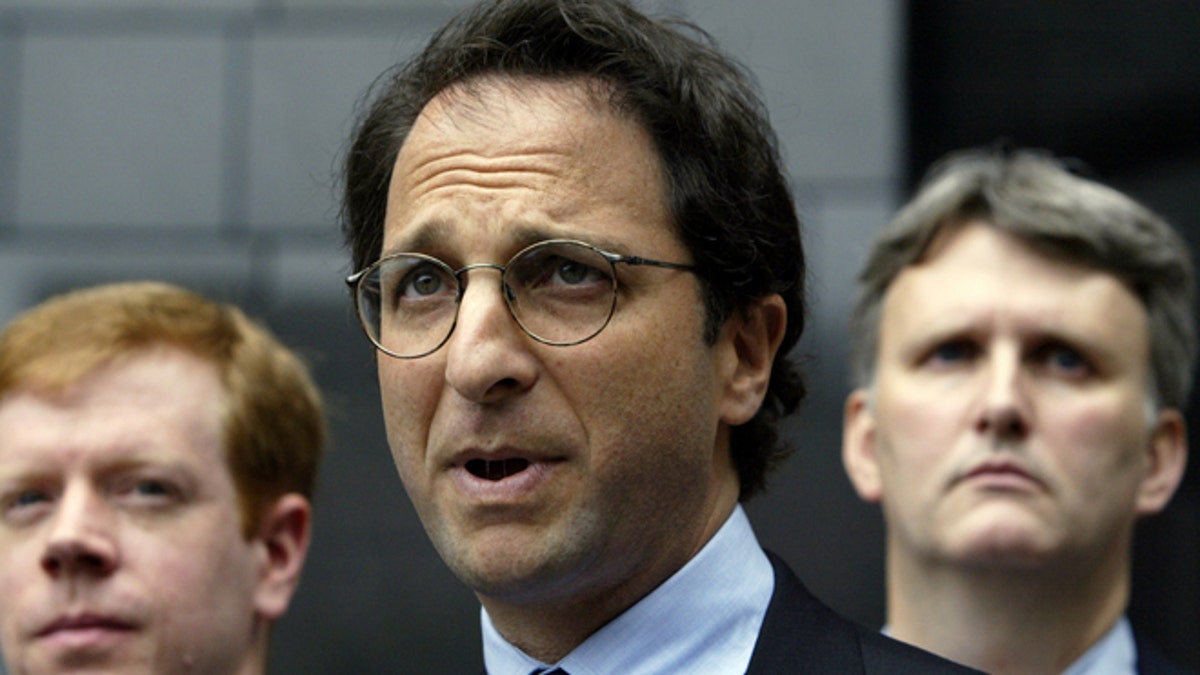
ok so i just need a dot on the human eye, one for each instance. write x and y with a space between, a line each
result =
415 282
23 503
149 491
152 488
1063 361
574 272
562 268
422 282
951 353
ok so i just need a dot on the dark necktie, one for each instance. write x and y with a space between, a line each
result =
556 671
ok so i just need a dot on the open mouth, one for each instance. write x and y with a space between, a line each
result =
497 469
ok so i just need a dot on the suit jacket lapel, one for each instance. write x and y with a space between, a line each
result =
799 629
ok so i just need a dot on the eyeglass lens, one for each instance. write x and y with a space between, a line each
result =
560 293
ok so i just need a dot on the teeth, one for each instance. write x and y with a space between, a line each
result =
497 469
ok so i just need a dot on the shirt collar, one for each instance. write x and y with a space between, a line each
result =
1113 654
704 618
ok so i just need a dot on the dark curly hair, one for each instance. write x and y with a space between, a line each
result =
728 195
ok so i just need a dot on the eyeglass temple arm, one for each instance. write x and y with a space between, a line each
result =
636 260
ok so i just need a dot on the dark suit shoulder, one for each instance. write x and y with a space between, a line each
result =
884 655
1150 661
800 634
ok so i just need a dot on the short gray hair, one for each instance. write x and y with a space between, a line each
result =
1032 196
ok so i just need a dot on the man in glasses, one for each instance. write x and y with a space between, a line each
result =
580 262
1025 341
157 459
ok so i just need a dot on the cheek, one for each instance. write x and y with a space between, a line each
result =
648 376
186 568
1106 435
920 429
649 413
17 574
408 397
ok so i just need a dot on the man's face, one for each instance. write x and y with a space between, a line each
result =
121 547
616 471
1008 423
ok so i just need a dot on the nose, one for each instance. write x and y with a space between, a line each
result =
80 540
488 357
1004 410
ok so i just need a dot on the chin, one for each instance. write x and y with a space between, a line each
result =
506 572
1004 548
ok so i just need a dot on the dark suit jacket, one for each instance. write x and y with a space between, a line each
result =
801 635
1151 662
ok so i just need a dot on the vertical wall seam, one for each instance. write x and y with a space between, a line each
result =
237 62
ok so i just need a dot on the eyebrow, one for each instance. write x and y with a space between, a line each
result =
434 235
420 239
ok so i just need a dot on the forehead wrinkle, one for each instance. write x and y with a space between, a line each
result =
1070 315
470 169
457 138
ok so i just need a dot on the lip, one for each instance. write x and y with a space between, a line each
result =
1006 476
501 476
85 629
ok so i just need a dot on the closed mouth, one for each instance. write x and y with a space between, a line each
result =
998 470
84 622
1003 471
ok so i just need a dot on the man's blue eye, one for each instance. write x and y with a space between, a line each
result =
1065 360
152 488
952 352
29 497
25 503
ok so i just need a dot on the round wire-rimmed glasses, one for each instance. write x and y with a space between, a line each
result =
560 292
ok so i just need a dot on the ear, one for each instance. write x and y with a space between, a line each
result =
753 336
858 446
283 535
1166 462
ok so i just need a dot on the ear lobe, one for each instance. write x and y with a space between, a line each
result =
858 446
283 535
1166 462
754 334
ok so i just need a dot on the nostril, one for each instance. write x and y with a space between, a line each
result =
1006 423
78 557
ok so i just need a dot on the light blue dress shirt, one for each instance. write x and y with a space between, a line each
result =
703 619
1113 654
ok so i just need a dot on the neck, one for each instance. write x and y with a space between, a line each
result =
255 659
1029 620
550 624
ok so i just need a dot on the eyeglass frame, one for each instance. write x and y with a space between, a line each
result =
354 282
